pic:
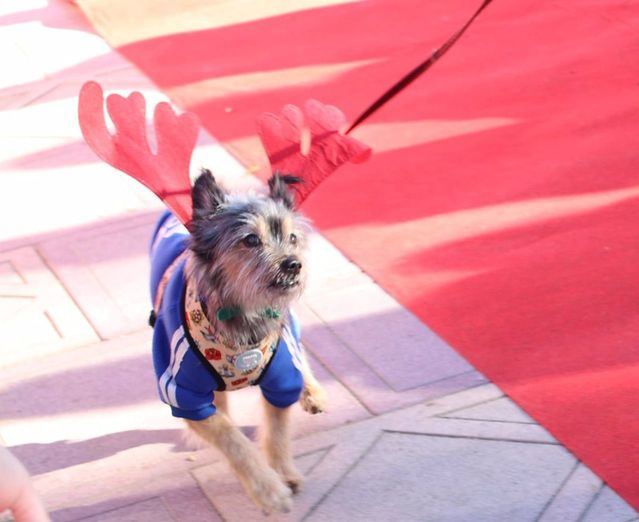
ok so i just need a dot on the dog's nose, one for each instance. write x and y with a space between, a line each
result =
291 265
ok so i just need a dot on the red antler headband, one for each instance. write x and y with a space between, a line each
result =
166 172
282 135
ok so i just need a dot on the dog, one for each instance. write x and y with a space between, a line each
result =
222 292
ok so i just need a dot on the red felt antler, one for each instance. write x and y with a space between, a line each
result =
166 172
282 135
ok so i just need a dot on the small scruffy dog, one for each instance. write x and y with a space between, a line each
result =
221 320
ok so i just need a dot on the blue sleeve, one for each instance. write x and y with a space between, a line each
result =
282 381
194 389
183 382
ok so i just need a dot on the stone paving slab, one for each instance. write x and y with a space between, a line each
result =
416 477
106 270
406 465
37 316
609 507
575 496
372 322
152 510
342 359
499 410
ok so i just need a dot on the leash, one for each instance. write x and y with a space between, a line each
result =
415 73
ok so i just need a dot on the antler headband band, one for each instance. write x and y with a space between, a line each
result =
166 172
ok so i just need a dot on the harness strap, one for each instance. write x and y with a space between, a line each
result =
159 294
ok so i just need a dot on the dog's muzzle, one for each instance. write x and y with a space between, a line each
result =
288 274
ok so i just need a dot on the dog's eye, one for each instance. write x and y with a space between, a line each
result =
252 241
293 239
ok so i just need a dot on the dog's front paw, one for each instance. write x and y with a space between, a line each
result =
313 399
290 475
269 492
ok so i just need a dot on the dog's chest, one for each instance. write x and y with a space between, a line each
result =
237 366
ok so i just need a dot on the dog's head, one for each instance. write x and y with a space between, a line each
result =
249 249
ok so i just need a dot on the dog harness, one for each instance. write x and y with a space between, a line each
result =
191 358
237 366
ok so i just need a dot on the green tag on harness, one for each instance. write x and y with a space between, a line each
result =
273 314
224 314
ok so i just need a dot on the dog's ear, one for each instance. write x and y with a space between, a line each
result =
207 195
279 191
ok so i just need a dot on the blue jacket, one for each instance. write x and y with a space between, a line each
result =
186 381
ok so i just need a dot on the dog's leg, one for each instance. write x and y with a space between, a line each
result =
221 402
261 482
276 440
313 398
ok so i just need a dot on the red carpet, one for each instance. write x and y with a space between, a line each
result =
502 203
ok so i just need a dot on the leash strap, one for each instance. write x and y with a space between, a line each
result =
409 78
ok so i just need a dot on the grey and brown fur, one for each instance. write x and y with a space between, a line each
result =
248 252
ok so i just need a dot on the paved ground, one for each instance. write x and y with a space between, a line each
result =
413 432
